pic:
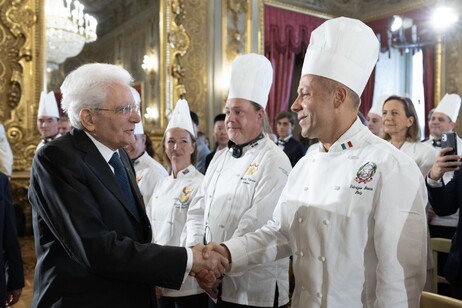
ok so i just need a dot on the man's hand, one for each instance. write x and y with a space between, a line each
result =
220 248
204 259
444 164
12 297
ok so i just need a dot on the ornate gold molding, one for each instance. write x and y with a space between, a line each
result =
178 41
21 63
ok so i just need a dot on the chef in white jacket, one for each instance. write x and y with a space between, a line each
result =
47 118
148 170
353 211
242 185
171 199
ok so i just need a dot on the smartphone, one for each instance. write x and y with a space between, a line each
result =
449 139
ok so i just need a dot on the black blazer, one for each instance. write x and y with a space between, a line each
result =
91 250
445 201
10 258
294 150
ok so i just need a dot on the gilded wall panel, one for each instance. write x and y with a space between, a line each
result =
195 60
21 64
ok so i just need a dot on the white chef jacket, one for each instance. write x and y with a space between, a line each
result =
238 196
354 219
450 220
167 212
422 154
148 173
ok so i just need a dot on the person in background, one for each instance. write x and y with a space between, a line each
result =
353 212
446 199
92 234
47 118
171 199
241 188
220 135
374 116
401 129
202 149
64 125
285 122
148 170
12 273
6 155
443 119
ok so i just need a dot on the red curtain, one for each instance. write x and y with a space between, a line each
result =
368 95
428 80
287 35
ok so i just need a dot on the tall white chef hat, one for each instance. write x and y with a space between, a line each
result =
377 106
181 117
48 106
251 78
449 105
342 49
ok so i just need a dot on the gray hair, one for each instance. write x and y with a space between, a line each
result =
88 86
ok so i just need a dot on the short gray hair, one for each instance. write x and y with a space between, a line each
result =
87 87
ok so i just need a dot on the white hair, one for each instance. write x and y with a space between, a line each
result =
88 86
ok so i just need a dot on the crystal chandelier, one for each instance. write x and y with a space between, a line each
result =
68 28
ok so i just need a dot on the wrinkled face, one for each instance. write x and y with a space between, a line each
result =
284 128
220 134
374 123
394 119
64 126
440 123
114 123
137 148
179 145
47 126
243 122
314 107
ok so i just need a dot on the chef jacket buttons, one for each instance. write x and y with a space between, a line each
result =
326 222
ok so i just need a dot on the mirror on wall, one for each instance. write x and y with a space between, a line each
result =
127 34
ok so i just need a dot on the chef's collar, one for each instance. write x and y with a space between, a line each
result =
347 140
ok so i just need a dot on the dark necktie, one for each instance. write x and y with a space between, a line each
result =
122 179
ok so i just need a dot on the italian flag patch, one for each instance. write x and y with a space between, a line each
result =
346 145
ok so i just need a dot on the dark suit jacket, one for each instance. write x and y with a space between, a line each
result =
10 259
294 150
445 201
91 250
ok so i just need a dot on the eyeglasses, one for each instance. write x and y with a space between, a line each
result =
123 110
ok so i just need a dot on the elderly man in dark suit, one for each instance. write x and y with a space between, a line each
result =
92 235
446 199
12 274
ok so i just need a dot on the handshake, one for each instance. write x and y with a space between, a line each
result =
210 262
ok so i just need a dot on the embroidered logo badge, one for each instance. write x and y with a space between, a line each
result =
366 172
185 194
253 168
